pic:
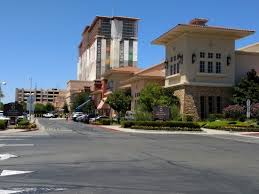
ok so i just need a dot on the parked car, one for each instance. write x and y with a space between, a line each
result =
75 115
48 115
89 117
81 118
2 117
98 118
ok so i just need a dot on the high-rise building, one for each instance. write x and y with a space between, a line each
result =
109 42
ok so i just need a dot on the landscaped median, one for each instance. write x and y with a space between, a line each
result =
237 126
162 125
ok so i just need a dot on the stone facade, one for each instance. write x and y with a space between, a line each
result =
190 100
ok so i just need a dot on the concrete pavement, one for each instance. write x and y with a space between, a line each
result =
77 158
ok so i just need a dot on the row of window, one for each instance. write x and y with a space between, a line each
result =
174 69
210 68
210 55
210 105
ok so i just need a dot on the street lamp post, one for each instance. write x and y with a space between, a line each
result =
1 93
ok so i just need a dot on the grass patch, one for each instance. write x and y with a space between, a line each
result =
247 126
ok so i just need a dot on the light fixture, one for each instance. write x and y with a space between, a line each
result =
193 58
228 60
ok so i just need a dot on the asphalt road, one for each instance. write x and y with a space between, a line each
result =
74 158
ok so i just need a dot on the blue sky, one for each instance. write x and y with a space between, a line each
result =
39 38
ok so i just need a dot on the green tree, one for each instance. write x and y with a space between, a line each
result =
40 108
154 95
119 101
247 88
65 108
79 99
49 107
1 106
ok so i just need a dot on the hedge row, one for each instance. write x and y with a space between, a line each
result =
160 124
166 128
3 124
240 129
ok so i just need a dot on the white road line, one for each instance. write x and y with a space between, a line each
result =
13 172
11 139
15 145
7 156
10 191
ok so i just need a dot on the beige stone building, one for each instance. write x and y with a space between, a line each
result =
202 65
138 80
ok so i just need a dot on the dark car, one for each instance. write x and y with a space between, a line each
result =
88 118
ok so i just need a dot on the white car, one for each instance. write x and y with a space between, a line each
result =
2 117
48 115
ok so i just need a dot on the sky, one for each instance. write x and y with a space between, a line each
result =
40 38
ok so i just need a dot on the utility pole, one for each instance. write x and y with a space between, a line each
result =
30 98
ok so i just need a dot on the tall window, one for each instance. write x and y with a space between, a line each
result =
218 102
210 67
210 55
202 107
171 69
202 66
174 68
177 68
210 103
218 67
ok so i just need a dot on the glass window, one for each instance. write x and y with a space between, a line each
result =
210 55
202 66
202 107
210 103
174 58
218 56
178 68
202 55
171 59
174 68
218 67
210 67
171 69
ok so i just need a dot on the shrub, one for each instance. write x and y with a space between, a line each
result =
105 121
3 124
188 118
169 124
214 117
23 122
167 128
143 116
175 113
255 111
234 111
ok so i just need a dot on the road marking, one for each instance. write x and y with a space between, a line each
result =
10 191
30 190
6 156
13 172
11 139
15 145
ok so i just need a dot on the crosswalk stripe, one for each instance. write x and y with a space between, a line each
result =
10 191
13 172
7 156
15 145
